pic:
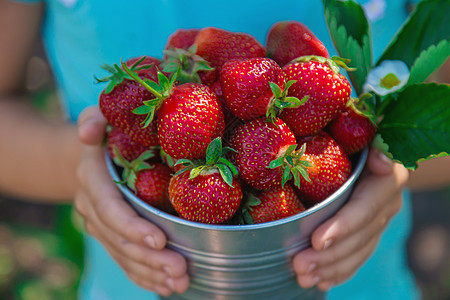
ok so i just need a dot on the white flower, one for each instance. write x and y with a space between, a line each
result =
388 77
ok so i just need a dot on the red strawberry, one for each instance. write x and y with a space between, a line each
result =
246 86
288 40
217 46
189 115
182 39
352 130
330 168
328 91
127 147
188 120
149 181
207 193
123 95
151 186
262 151
275 204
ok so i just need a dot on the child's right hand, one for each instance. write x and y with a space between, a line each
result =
136 245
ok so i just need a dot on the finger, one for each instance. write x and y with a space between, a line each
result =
91 126
338 272
110 207
343 269
370 194
310 259
378 163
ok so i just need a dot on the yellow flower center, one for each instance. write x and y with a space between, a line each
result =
389 81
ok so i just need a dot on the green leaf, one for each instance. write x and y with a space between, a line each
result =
142 110
275 89
428 25
196 171
286 176
226 174
351 35
429 61
229 165
214 151
276 163
416 126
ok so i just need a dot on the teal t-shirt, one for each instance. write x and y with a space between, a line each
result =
81 35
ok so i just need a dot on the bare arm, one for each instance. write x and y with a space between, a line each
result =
37 158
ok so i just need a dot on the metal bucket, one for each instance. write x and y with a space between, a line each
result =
244 261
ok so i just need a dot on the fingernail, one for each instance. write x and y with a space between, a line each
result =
150 241
327 244
167 270
316 280
170 284
384 158
311 268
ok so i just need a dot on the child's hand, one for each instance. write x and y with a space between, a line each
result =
343 243
136 245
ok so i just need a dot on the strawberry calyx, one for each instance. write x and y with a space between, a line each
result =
335 63
291 164
187 62
118 74
131 168
161 90
359 106
281 100
215 161
245 216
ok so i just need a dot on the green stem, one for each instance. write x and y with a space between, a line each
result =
139 79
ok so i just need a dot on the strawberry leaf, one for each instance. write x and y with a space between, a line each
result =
226 174
196 171
351 35
276 163
415 128
428 61
428 25
286 176
142 110
229 165
214 151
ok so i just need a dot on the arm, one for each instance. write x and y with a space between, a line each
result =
37 157
44 161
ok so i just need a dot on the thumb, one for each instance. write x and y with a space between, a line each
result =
378 163
91 126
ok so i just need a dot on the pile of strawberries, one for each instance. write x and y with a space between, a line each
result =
224 130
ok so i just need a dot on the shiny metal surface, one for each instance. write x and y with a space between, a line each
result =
244 261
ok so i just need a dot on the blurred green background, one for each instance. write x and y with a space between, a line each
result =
41 246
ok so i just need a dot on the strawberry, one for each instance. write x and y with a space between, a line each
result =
149 181
253 87
327 90
352 130
189 120
189 116
152 186
287 40
272 205
208 193
217 46
123 94
127 147
330 168
181 39
264 153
